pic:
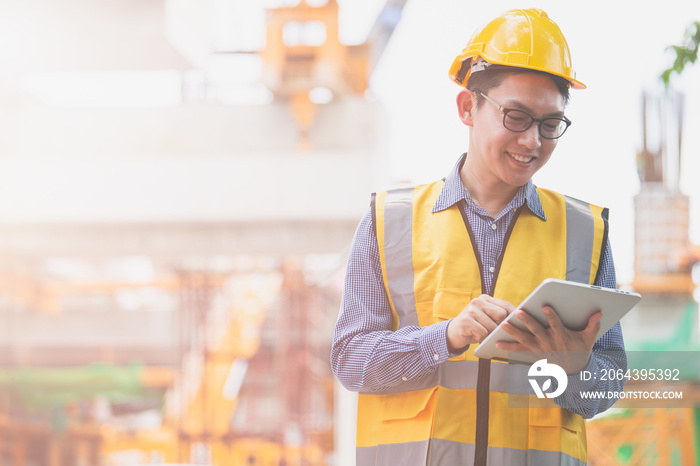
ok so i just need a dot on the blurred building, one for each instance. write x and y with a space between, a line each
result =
176 198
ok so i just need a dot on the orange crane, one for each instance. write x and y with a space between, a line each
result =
294 65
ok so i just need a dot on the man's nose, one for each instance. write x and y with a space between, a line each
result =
531 137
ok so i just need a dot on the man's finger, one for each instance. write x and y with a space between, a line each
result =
521 336
501 303
478 331
593 325
496 312
553 319
532 325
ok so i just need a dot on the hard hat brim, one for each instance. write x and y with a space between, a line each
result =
461 77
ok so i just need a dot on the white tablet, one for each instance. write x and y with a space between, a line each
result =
573 302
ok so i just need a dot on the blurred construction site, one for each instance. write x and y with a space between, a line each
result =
180 196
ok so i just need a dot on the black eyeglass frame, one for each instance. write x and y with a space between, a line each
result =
539 121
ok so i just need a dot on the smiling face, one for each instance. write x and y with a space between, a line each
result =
499 161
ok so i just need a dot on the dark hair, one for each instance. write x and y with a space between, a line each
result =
494 75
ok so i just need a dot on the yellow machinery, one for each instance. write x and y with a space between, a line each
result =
201 403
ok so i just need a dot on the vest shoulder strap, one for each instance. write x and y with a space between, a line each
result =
392 217
586 235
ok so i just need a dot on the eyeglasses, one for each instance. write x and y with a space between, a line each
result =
519 121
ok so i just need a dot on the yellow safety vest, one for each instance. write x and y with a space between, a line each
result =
430 275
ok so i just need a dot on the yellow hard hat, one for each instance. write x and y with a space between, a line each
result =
520 38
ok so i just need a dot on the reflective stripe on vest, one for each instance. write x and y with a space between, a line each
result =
398 274
417 420
463 375
444 452
580 241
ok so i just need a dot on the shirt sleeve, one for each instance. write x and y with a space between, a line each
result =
367 355
608 354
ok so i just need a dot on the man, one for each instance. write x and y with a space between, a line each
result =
434 269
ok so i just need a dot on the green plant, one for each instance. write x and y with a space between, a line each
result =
686 53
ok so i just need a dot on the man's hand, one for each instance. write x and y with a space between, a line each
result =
479 318
567 348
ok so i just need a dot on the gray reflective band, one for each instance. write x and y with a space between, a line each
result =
580 228
546 458
507 378
365 456
446 452
398 253
510 378
403 453
393 454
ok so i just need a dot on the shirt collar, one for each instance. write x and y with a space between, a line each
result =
454 191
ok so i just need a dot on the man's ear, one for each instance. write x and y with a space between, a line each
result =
466 103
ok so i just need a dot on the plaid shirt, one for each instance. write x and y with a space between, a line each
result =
368 356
